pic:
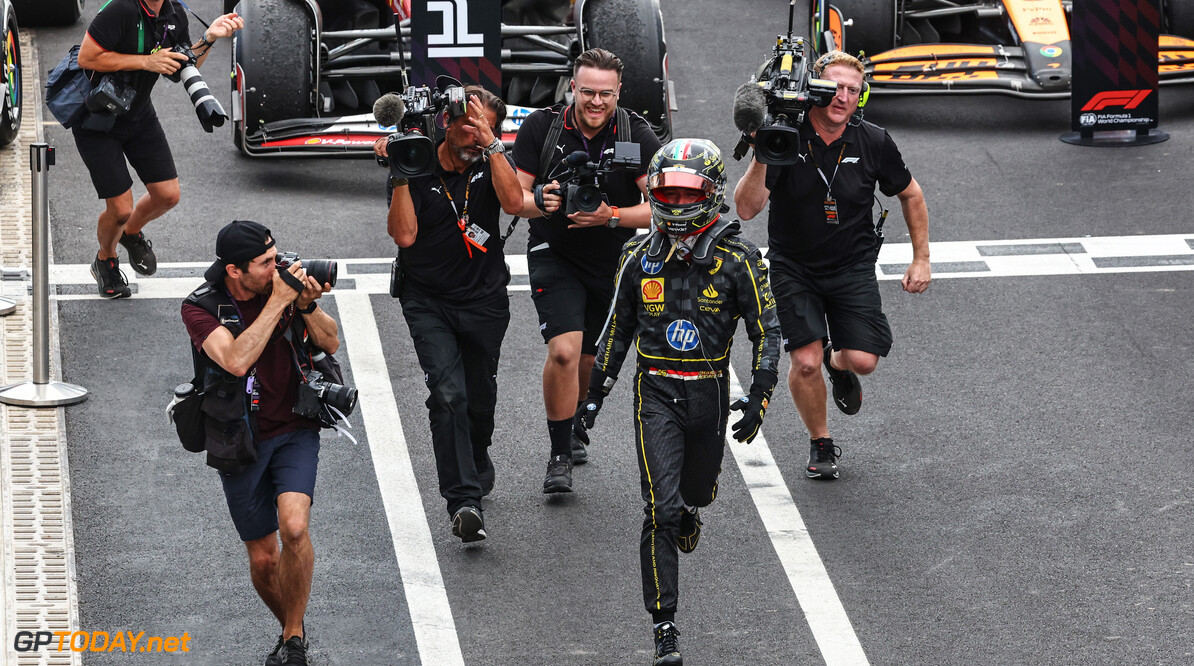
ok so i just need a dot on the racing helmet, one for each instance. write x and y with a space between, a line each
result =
679 170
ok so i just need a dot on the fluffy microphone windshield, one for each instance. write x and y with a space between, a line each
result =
389 109
750 107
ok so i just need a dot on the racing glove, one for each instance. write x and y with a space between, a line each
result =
754 406
600 385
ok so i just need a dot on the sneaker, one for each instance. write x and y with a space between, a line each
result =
294 652
822 459
274 658
690 530
667 645
468 524
109 277
559 475
847 390
580 443
141 256
485 474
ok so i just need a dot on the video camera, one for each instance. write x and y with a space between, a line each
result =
418 113
581 184
207 107
773 104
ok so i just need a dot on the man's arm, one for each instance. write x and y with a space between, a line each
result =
92 56
401 223
320 325
551 197
223 26
751 193
505 183
237 354
916 215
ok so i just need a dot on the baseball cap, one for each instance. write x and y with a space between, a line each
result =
238 241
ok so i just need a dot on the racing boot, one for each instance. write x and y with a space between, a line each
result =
580 443
667 645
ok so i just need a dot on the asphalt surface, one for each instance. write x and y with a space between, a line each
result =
1015 490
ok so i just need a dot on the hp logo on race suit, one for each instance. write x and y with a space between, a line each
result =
455 41
651 267
682 335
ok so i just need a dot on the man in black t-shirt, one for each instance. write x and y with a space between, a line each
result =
823 249
572 258
134 38
454 296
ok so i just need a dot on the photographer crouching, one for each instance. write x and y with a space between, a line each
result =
127 46
257 323
451 277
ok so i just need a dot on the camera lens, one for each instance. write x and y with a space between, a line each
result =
411 155
587 198
323 270
777 144
343 398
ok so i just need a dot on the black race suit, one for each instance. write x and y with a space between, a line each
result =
681 318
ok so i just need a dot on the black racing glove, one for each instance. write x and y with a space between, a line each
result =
754 406
599 387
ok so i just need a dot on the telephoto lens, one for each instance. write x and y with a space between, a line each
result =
207 107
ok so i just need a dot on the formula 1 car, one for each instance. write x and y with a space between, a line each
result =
48 12
307 72
10 75
1011 47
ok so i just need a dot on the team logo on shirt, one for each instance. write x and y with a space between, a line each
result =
652 290
682 335
716 266
650 267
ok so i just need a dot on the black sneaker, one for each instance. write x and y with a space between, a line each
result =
690 530
822 459
294 652
141 256
559 475
109 277
667 645
468 524
580 443
847 390
274 658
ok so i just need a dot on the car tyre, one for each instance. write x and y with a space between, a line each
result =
1179 18
633 31
273 53
48 12
874 28
10 74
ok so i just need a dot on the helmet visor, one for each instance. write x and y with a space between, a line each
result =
677 179
679 196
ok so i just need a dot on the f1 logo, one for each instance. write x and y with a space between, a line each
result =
456 38
1128 99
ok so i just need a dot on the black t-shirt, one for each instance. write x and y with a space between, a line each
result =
438 262
126 26
797 226
592 249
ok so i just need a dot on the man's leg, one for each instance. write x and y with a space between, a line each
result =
111 223
808 388
859 362
296 562
560 375
157 200
483 329
263 570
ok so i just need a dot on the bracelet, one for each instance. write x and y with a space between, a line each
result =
309 309
206 42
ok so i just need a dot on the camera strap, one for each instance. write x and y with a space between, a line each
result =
829 204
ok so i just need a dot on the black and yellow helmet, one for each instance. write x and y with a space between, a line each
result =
686 186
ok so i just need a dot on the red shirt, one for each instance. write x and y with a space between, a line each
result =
277 377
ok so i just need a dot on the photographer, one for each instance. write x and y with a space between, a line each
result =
680 292
134 39
249 351
453 292
824 245
572 258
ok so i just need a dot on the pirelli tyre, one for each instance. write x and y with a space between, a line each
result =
1179 18
10 82
633 31
874 27
48 12
272 63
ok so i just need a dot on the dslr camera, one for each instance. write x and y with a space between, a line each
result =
581 183
323 270
114 95
423 111
789 91
316 394
207 107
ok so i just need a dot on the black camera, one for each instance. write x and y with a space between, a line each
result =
424 110
207 107
581 185
316 394
323 270
114 95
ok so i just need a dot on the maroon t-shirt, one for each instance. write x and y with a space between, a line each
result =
277 377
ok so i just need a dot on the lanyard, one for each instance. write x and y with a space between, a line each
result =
828 181
462 218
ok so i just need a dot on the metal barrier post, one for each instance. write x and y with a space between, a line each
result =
41 392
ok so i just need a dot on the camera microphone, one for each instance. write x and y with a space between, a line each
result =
389 109
577 158
750 107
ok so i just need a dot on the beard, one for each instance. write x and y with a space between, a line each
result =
467 154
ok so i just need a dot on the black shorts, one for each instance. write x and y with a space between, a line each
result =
848 301
567 299
285 464
142 141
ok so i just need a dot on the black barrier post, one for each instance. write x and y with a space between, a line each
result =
41 392
1114 98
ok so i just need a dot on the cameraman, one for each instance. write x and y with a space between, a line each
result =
453 293
135 38
246 347
824 246
572 258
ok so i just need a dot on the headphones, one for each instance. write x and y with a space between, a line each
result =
823 61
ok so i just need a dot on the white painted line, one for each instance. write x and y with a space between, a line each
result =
430 613
806 572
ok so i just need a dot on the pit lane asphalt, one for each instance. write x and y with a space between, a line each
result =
1016 489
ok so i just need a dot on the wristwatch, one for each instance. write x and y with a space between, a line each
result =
496 146
614 219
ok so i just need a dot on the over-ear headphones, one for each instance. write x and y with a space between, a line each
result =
819 68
